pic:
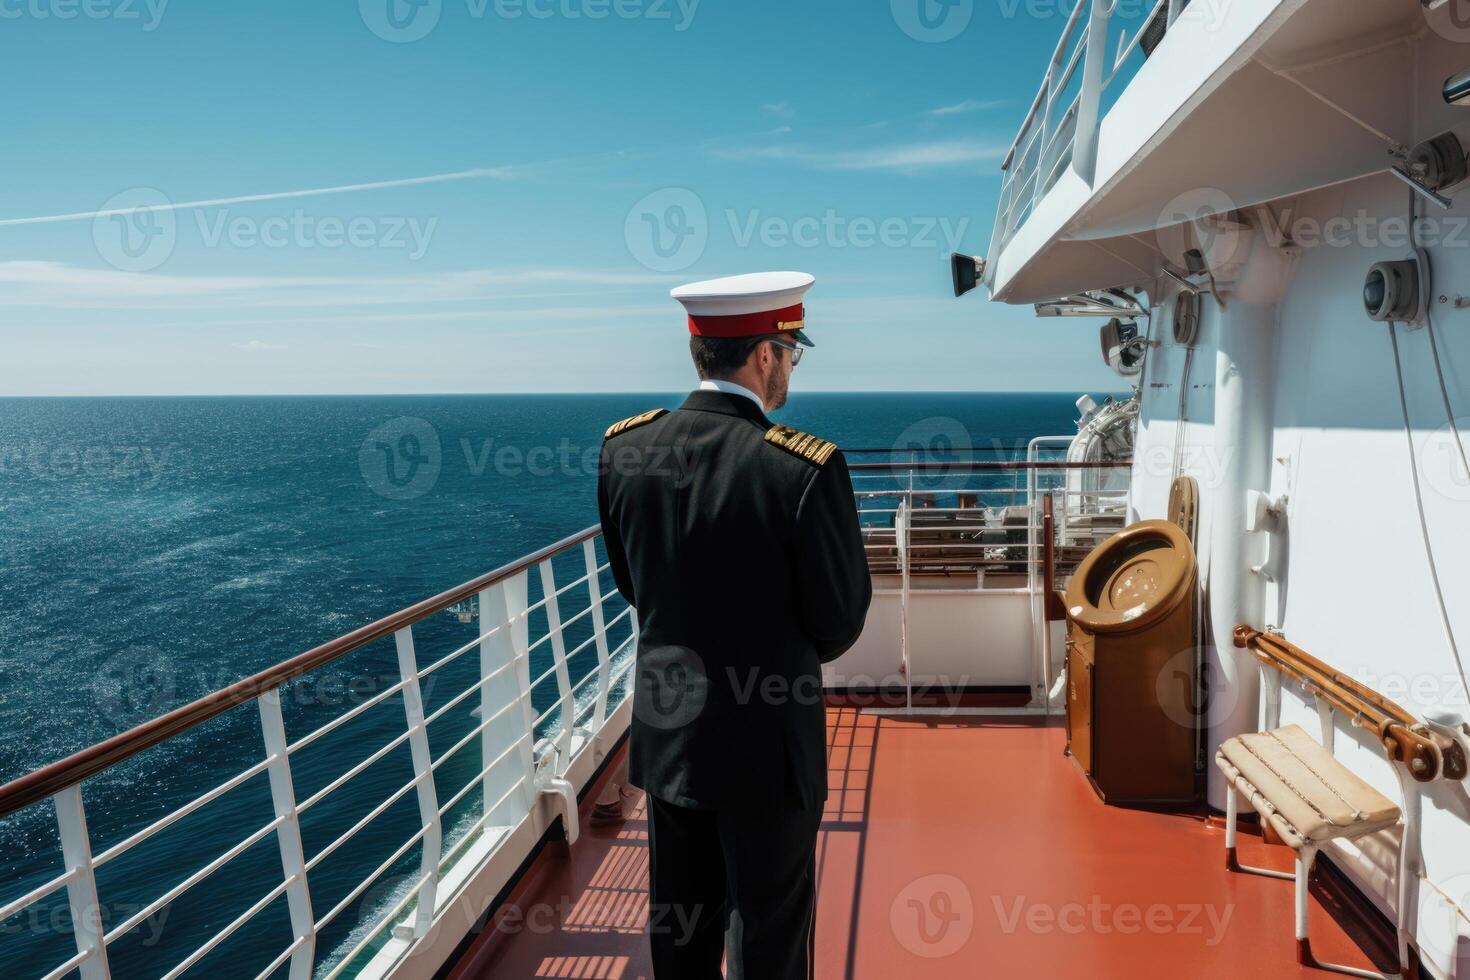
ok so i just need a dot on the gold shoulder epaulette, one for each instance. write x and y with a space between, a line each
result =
808 447
635 422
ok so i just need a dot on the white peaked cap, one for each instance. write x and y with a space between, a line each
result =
747 306
758 292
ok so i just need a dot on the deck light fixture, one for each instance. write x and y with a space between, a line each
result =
967 271
1398 292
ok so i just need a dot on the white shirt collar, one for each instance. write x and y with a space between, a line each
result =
731 388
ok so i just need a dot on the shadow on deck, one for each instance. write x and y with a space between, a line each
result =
958 848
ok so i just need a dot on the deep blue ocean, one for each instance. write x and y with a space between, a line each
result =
153 550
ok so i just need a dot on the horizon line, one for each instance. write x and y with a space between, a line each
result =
537 394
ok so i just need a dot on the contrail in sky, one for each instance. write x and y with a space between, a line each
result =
494 173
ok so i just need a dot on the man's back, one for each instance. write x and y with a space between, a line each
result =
738 542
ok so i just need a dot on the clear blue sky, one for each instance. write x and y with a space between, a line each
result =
844 138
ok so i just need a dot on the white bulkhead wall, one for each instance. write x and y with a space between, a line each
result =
1356 585
1301 400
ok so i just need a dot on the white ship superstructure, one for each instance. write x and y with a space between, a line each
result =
1243 188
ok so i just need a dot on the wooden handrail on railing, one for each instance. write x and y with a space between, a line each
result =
38 785
1404 737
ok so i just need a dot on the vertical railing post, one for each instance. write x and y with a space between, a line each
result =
1089 104
559 662
903 521
81 891
1044 139
288 834
418 744
1048 583
599 632
506 603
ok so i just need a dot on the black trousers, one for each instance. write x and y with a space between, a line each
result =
738 884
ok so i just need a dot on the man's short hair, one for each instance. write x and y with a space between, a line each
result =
720 357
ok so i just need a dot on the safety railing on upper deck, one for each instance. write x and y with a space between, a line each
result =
977 521
1001 521
461 747
1082 81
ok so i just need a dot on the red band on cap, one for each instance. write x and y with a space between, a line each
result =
748 324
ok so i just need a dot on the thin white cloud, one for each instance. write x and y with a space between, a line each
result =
902 158
60 286
783 108
490 173
257 345
598 313
968 106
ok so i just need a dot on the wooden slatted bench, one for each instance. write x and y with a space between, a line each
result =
1309 798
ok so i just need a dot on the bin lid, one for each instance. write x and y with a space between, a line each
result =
1133 579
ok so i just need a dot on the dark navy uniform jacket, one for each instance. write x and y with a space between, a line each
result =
738 542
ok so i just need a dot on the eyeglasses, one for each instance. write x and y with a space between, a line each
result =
796 349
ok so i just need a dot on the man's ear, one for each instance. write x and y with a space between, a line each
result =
759 355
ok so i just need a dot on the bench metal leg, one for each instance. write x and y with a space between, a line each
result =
1306 859
1232 862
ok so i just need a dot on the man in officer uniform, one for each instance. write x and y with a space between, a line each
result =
738 542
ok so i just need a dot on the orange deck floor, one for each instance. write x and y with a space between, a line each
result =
964 849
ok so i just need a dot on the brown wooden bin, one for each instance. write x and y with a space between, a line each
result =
1131 666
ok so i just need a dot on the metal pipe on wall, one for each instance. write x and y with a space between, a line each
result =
1243 443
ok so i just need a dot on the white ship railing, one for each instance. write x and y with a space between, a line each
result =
523 757
489 766
1062 126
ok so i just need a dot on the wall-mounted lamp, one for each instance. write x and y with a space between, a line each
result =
967 271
